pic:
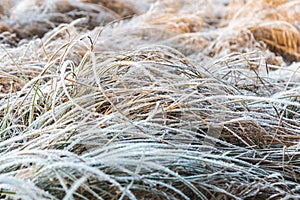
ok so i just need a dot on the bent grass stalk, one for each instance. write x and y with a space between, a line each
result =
173 112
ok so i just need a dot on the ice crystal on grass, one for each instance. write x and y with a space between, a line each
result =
149 100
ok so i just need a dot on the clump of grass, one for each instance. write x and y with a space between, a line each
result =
29 18
274 24
96 116
284 41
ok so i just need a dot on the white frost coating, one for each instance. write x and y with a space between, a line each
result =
289 73
128 108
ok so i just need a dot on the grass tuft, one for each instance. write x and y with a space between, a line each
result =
179 101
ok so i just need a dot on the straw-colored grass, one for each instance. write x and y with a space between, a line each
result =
177 102
281 40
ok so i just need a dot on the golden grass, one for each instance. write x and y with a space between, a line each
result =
281 40
182 24
270 22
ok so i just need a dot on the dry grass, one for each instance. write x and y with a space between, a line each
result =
179 101
272 22
279 39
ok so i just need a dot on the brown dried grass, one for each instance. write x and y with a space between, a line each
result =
270 22
5 28
9 85
281 40
49 15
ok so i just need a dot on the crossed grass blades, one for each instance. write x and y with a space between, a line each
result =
163 111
